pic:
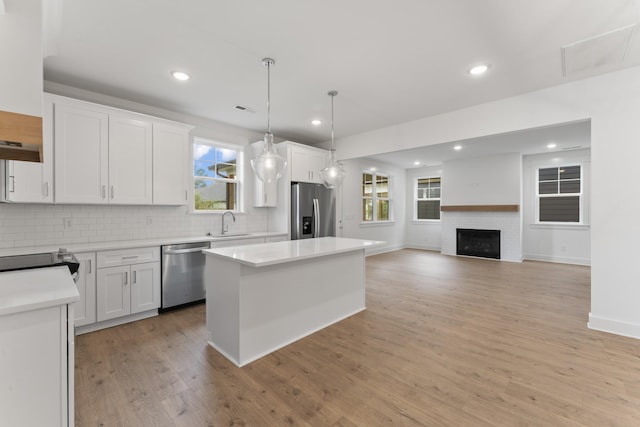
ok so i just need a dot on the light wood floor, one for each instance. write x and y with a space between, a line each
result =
444 341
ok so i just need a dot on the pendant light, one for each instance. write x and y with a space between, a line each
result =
269 165
333 174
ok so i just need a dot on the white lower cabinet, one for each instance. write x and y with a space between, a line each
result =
128 282
85 309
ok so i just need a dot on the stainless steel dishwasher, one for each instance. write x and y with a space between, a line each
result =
183 274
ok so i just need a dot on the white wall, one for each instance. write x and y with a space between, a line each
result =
349 211
420 234
556 243
491 180
612 102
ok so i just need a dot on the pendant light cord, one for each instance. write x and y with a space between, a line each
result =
268 97
332 96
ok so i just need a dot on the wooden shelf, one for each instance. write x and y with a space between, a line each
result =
480 208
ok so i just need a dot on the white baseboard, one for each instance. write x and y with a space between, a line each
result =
613 326
423 247
557 259
115 322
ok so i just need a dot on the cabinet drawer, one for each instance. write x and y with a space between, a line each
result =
128 256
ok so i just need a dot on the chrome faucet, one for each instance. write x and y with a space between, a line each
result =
225 229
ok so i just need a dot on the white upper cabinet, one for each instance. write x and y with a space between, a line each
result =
106 155
306 163
170 151
81 138
130 161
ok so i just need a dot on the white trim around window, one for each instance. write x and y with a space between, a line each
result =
377 201
218 170
429 194
549 188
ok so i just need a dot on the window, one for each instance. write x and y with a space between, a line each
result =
215 176
427 204
559 194
375 197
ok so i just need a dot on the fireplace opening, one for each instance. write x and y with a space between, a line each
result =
480 243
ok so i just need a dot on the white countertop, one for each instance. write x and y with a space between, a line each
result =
291 250
25 290
125 244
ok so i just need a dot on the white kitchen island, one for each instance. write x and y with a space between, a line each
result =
263 297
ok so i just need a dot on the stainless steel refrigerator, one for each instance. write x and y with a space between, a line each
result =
313 211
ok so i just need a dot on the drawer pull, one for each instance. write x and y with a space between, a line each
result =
130 257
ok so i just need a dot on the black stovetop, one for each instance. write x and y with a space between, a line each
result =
25 262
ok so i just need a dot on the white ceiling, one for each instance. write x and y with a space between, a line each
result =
570 136
390 61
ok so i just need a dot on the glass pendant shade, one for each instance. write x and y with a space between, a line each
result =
333 174
269 165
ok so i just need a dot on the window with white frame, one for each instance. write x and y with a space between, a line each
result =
216 176
376 201
559 194
427 199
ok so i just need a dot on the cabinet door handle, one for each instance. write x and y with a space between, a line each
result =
104 191
46 189
89 267
126 278
112 191
13 183
186 195
134 277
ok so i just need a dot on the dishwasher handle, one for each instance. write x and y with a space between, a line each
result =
183 251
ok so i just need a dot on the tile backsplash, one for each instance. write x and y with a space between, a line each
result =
35 225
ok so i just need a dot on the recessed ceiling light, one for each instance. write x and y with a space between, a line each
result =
373 169
478 69
180 75
316 122
458 147
552 145
417 163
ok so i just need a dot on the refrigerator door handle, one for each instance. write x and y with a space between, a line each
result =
296 231
316 218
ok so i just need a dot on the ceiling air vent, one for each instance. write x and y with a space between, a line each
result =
243 108
609 48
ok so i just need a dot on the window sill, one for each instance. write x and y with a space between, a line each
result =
376 224
426 222
560 226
